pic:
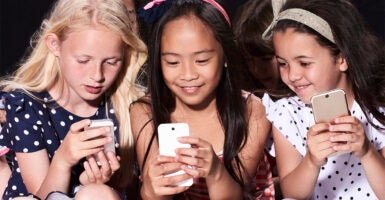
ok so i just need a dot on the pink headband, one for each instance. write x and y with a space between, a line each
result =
212 2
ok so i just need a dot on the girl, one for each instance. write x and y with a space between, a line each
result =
83 66
323 45
192 69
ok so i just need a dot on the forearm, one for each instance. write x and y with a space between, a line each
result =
374 165
57 179
222 186
147 195
5 173
300 183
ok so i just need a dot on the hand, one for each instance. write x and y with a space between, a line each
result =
199 161
350 136
154 181
80 143
319 144
99 171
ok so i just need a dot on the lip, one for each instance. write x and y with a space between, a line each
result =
300 88
93 89
190 89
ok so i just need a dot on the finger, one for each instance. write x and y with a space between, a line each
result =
96 143
162 159
168 168
193 171
94 167
93 133
172 180
346 119
79 126
104 164
90 174
318 128
171 190
193 141
113 161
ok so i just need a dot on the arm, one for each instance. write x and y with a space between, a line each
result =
5 173
217 177
373 161
154 184
295 170
42 176
259 130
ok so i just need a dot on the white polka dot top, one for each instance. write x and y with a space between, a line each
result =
342 177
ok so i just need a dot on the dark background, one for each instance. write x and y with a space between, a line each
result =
19 19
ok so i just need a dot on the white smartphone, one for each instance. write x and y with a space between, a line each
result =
329 105
109 147
167 138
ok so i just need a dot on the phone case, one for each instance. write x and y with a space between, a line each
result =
110 147
329 105
168 134
167 138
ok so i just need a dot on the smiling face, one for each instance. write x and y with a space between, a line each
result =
90 60
306 67
192 61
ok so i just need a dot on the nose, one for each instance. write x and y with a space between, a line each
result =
96 72
295 73
188 72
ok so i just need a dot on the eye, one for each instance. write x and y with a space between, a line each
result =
281 64
83 61
171 63
202 61
112 62
305 64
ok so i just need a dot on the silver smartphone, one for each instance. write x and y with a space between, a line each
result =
109 147
329 105
167 138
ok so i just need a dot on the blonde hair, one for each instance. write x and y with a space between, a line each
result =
40 70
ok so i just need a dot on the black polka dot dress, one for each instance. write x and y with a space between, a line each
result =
33 125
342 177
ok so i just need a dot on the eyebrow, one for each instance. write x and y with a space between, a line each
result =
195 53
298 57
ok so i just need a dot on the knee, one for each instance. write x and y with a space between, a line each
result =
96 191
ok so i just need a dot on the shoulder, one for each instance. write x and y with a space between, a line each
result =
140 115
19 100
254 105
140 108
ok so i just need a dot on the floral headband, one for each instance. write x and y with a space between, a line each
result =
155 9
300 15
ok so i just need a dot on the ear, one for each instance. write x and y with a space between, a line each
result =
53 43
343 65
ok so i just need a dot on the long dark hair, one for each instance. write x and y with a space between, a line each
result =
230 104
363 51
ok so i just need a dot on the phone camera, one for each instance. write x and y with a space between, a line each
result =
327 96
172 128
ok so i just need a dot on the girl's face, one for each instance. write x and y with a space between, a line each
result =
307 67
192 61
264 68
90 60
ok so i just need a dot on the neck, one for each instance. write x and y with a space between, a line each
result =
73 103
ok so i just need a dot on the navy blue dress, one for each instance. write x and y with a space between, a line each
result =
33 125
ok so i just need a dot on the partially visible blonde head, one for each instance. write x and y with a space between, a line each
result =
40 71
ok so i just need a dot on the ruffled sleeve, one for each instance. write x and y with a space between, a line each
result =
23 129
292 118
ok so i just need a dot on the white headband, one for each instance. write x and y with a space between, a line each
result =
300 15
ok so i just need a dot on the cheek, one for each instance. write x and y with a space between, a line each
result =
283 73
